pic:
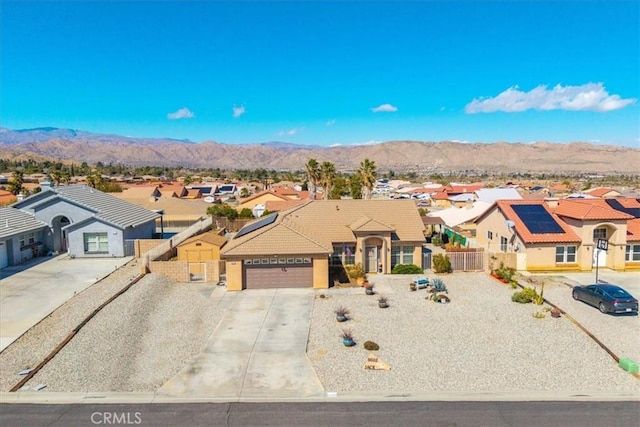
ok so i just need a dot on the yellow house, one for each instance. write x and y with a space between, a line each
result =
260 198
295 247
564 237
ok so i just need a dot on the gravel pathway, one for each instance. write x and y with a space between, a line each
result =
480 342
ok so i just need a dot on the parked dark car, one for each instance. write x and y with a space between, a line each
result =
608 298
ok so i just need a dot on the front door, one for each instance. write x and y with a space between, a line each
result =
372 259
599 257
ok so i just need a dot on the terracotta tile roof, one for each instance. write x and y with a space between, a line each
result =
633 230
281 205
313 226
262 193
285 191
588 209
209 237
366 224
600 191
463 188
441 195
567 236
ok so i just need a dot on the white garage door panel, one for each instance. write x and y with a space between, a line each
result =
4 258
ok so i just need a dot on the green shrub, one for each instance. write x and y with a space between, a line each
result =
407 269
436 241
441 263
371 346
524 296
505 273
246 213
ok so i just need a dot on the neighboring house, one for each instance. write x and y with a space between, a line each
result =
6 197
22 237
296 247
87 222
260 198
455 216
603 192
490 195
564 237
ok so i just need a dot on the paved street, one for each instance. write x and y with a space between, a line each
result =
494 414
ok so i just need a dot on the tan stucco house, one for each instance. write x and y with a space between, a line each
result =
564 237
295 247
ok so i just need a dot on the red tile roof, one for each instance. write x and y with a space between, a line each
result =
589 209
567 236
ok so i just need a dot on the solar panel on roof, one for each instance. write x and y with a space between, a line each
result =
251 227
635 212
537 219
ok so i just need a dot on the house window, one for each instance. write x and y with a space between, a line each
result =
565 254
503 244
96 243
599 233
490 235
632 253
401 255
344 254
27 239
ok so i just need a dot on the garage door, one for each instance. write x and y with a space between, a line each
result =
4 259
262 276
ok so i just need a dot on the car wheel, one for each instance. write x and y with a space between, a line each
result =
602 307
575 295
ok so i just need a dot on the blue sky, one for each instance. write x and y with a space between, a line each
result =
326 73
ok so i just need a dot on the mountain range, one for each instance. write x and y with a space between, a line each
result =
67 145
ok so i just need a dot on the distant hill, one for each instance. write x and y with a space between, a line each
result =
79 146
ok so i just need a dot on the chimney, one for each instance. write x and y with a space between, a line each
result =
45 185
19 196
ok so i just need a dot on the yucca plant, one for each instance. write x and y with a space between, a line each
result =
438 285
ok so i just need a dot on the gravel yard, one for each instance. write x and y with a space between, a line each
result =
480 342
135 344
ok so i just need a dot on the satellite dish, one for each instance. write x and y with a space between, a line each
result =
516 248
510 223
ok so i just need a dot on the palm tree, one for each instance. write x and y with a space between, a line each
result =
367 172
327 178
313 175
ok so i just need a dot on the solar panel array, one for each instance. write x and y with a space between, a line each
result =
253 226
635 212
537 219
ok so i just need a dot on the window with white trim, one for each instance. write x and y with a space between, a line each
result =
565 254
632 253
503 244
96 243
401 255
599 233
27 239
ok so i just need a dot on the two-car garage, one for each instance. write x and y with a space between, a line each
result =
274 272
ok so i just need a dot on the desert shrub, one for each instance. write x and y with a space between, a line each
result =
246 213
436 241
441 263
355 271
371 346
524 296
407 269
505 273
438 285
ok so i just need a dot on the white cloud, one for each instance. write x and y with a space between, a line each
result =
586 97
289 132
238 111
384 108
183 113
331 123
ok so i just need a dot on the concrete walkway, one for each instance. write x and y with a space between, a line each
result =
30 292
257 351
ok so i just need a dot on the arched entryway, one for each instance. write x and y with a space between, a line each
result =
59 235
602 232
374 258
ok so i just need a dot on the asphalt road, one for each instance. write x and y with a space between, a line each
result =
494 414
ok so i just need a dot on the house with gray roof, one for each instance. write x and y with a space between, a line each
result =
86 222
22 237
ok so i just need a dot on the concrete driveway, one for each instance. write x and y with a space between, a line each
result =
30 292
258 350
